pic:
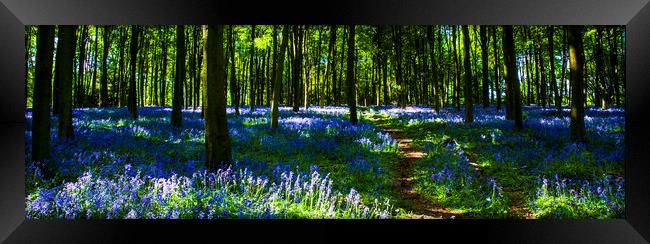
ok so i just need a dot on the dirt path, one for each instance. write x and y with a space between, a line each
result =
420 207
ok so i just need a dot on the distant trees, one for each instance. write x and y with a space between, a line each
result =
217 140
365 65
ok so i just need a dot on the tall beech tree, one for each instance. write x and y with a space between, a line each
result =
469 105
65 58
484 64
510 74
177 103
104 100
133 108
277 80
42 93
576 63
351 93
551 55
217 140
233 77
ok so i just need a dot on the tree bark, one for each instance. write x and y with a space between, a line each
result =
484 64
132 91
469 105
42 94
65 58
511 76
277 80
217 140
577 60
104 79
551 55
351 93
177 103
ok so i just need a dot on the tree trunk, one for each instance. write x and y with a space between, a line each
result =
163 75
104 79
217 141
434 69
613 66
577 60
397 42
277 80
497 79
65 58
233 77
79 93
511 75
251 88
296 67
132 92
42 93
600 70
457 70
351 93
469 105
551 55
177 103
484 63
94 81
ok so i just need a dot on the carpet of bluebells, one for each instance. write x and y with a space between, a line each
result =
317 165
490 171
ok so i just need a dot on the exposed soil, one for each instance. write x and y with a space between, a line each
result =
420 207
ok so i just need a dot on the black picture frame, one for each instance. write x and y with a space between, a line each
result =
634 14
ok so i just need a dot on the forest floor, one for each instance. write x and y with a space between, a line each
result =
417 206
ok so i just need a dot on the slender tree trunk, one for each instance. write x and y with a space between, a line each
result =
163 75
469 110
397 42
497 79
613 66
563 90
296 67
484 64
79 93
551 55
251 90
434 69
177 103
457 70
577 60
600 70
233 77
277 80
42 93
511 75
132 92
104 79
351 93
94 82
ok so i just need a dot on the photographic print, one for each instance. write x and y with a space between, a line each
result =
325 122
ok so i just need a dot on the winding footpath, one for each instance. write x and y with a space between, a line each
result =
417 206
